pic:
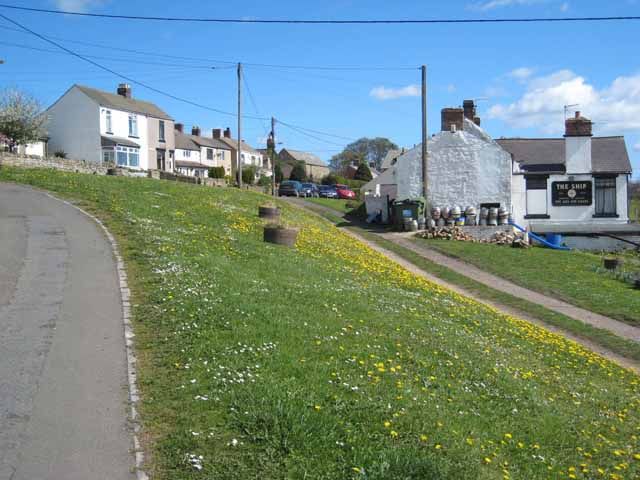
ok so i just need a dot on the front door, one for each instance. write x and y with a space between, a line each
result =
161 159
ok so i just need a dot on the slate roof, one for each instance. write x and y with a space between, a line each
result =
118 102
608 154
306 157
388 159
185 141
233 143
111 141
186 163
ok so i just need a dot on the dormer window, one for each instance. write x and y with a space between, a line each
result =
107 121
133 125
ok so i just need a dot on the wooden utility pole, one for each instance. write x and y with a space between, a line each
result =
239 150
425 162
273 157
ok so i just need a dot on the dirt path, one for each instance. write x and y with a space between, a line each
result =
496 283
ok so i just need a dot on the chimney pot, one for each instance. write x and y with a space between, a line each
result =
452 116
179 127
216 133
578 114
227 132
469 108
124 90
195 131
476 120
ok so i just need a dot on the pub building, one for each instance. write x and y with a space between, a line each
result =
576 185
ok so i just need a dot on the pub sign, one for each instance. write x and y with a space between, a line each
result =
570 194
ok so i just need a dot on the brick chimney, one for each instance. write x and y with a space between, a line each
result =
195 131
452 116
469 108
124 89
578 127
577 143
227 132
216 132
179 127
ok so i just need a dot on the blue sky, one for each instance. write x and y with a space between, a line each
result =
523 74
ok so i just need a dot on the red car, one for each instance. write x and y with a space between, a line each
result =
345 192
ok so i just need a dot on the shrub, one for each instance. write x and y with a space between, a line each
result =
264 181
298 172
363 173
216 172
60 154
249 175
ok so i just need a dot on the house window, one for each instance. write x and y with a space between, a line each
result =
133 125
606 197
161 131
536 197
209 154
107 121
187 153
128 156
108 156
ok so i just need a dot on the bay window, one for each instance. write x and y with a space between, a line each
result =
128 156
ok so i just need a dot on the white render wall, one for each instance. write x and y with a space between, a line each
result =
180 155
577 154
73 125
120 128
466 168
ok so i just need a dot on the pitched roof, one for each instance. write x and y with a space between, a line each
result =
186 163
389 158
608 154
233 143
112 100
111 141
184 142
306 157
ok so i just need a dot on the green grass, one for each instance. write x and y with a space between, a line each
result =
575 277
343 206
604 338
328 361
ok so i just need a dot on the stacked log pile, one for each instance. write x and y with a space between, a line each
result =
512 239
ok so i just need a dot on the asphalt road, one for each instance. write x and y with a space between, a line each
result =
63 383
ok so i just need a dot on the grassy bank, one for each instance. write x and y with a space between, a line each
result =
574 277
330 362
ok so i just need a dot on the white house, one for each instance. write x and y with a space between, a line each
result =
195 154
465 168
578 180
98 126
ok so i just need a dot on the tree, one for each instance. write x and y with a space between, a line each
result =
278 172
330 179
367 150
363 173
21 118
298 172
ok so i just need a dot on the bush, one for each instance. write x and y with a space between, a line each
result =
264 181
216 172
363 173
60 154
298 172
249 175
330 179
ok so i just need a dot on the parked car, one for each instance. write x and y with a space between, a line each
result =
345 192
290 188
327 191
310 190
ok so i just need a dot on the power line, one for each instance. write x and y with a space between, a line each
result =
231 64
117 74
326 22
253 102
113 59
298 127
302 131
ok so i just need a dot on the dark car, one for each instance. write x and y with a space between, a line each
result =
290 188
310 190
327 191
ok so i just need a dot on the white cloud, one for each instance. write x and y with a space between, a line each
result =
614 109
384 93
492 4
80 6
522 73
451 88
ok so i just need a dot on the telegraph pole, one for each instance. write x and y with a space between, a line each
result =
424 139
273 156
239 150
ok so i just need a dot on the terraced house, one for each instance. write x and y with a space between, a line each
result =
195 154
102 127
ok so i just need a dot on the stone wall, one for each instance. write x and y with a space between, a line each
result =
66 164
